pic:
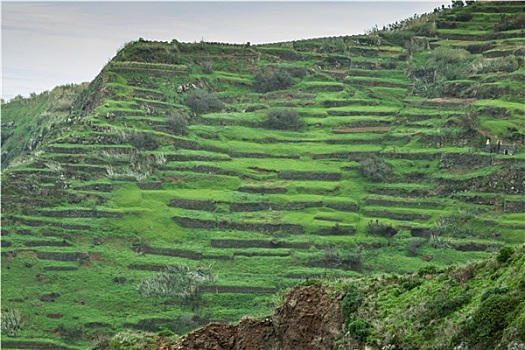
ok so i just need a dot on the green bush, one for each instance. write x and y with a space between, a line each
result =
376 169
378 229
177 123
283 119
351 302
504 254
490 319
414 247
201 101
142 140
444 64
271 80
360 329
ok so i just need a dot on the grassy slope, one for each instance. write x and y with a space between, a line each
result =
477 305
352 109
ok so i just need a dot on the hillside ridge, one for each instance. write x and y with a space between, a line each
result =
243 170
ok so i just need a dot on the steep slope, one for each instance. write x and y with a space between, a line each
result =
386 171
476 306
26 121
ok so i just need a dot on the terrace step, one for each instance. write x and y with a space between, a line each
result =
35 222
237 226
180 253
238 243
80 213
307 175
27 344
402 204
396 215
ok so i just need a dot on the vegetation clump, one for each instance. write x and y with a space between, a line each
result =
180 281
11 322
378 229
271 80
376 169
283 119
143 140
201 101
177 123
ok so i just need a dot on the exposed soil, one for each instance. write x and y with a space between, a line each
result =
308 319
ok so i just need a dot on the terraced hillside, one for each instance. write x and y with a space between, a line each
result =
169 158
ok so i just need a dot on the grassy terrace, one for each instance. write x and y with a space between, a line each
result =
122 194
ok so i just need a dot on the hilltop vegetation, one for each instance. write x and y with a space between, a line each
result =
387 153
480 305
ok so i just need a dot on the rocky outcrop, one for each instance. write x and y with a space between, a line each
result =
309 319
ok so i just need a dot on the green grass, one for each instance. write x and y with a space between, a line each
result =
224 141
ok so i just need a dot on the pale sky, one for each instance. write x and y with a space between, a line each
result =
45 44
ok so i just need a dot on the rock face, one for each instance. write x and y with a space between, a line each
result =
308 319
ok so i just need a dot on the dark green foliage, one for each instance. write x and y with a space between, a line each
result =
414 247
378 229
166 333
445 305
444 64
510 22
376 169
489 320
351 301
201 102
464 17
359 329
143 140
428 270
70 334
177 123
493 291
333 258
283 119
504 254
501 64
271 80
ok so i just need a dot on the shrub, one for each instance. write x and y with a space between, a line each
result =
428 270
376 169
504 254
142 140
359 329
378 229
351 302
444 64
488 322
201 101
176 282
501 64
271 80
283 119
177 123
414 247
11 322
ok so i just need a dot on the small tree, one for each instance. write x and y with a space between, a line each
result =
201 101
143 140
283 119
383 230
271 80
376 169
177 123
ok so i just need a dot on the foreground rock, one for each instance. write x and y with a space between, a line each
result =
308 319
